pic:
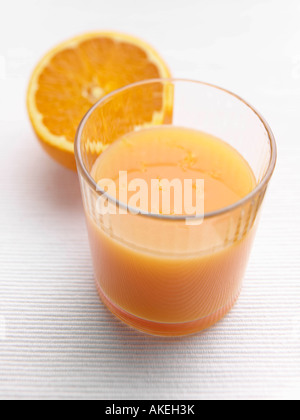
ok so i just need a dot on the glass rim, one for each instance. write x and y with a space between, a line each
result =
258 188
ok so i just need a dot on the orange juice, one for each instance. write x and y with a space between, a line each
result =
163 276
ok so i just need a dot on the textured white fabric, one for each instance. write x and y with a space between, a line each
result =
56 339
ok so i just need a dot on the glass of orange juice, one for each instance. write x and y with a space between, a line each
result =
173 174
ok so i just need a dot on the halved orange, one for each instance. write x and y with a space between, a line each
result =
77 73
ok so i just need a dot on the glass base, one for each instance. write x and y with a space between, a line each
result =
166 329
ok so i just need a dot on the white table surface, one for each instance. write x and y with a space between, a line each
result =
56 339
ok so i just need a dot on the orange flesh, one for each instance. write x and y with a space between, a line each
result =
76 78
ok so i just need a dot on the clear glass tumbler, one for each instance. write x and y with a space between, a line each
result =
158 273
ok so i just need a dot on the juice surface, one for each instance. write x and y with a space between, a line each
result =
165 277
171 152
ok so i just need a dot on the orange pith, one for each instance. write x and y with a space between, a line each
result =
75 75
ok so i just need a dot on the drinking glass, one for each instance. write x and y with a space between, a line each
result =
170 275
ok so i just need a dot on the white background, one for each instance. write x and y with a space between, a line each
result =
56 338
